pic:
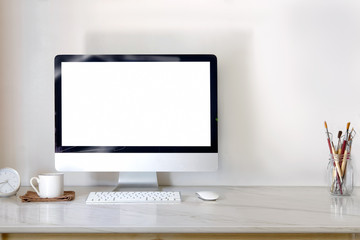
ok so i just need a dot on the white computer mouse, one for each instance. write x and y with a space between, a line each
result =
207 195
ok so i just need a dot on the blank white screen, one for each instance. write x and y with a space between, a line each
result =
135 103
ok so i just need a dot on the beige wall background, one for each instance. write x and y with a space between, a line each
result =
284 67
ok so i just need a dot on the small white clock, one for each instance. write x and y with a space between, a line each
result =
9 182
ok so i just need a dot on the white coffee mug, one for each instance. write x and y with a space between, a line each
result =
50 185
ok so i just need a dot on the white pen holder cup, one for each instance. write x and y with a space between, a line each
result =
50 185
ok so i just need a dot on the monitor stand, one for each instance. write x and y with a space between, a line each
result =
137 181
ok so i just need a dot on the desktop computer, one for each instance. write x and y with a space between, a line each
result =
136 115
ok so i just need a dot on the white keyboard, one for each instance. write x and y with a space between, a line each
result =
133 197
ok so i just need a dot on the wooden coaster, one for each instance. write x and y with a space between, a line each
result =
33 197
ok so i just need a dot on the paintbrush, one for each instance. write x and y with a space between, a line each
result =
333 153
334 156
328 138
344 161
351 138
346 138
339 140
346 153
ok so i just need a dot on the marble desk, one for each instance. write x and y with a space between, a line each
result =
239 210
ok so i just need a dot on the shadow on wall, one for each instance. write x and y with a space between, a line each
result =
11 145
2 74
232 49
3 95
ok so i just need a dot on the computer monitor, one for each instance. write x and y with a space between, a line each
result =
136 113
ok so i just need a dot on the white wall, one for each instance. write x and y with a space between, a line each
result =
285 66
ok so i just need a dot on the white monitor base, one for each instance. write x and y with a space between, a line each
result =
137 181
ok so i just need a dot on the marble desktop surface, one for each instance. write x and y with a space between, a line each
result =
238 210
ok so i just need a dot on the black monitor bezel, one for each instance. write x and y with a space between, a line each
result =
213 148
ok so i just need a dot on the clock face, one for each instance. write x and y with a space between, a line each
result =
9 182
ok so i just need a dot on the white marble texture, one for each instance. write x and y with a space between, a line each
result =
239 210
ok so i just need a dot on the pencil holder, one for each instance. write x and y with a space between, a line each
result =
340 174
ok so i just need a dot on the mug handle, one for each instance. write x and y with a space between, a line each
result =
31 183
